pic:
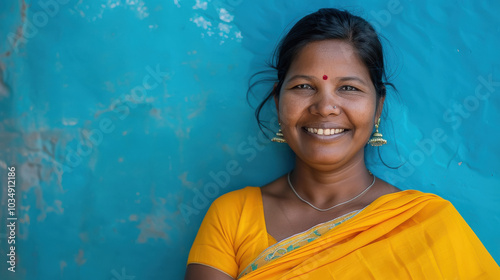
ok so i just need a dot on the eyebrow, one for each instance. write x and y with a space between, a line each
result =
343 79
301 77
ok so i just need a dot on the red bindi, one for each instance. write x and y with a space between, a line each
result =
325 77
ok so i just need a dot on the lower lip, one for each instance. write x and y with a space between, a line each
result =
327 137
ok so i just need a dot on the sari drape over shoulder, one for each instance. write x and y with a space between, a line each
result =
404 235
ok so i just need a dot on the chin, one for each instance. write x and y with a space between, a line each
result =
322 158
341 154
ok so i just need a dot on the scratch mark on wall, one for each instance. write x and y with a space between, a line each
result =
179 133
156 113
201 108
19 34
80 259
40 204
228 149
25 219
40 150
29 176
152 227
59 207
133 218
184 181
84 236
62 265
110 108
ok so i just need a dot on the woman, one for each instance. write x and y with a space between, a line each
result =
330 218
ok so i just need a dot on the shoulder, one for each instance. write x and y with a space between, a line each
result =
226 211
234 204
427 211
425 196
234 213
430 223
238 198
413 199
429 205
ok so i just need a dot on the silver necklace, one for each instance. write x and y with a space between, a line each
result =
323 210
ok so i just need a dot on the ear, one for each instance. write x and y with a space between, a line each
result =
380 107
276 99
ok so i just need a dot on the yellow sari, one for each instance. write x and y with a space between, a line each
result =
404 235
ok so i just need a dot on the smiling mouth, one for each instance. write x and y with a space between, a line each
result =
325 131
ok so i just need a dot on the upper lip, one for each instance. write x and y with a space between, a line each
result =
324 126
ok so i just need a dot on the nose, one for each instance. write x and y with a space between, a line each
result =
324 103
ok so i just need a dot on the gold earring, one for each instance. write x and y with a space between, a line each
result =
279 136
377 139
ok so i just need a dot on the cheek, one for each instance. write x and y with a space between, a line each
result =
289 110
361 112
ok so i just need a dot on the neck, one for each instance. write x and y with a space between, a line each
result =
324 187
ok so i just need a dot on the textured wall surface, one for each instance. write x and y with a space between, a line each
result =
125 119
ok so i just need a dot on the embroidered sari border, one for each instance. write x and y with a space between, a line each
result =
295 241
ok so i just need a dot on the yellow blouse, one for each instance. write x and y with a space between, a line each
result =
404 235
233 232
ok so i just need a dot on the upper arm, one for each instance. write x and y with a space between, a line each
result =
202 272
213 247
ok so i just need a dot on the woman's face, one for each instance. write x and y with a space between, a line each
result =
327 104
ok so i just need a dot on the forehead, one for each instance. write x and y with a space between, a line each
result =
329 56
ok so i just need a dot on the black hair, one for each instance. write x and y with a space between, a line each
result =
326 24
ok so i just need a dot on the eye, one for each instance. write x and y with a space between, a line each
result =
303 86
348 88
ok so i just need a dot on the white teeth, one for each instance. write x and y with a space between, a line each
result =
326 131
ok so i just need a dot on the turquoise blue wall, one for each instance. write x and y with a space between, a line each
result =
126 118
